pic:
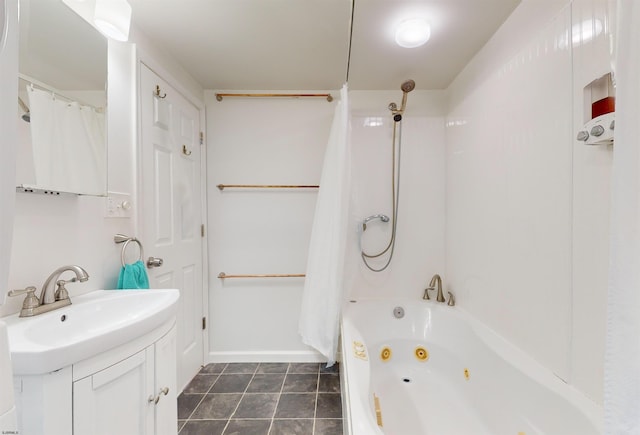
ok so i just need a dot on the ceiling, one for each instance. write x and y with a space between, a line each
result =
314 44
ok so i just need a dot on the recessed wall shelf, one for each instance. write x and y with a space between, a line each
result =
599 112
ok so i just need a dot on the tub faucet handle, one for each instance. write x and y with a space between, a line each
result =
426 293
452 300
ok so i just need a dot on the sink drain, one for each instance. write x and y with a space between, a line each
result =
406 380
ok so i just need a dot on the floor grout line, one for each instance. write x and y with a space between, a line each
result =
203 396
279 396
217 375
241 397
315 410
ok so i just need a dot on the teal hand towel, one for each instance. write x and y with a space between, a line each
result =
133 276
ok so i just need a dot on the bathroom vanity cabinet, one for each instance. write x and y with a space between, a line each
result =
127 390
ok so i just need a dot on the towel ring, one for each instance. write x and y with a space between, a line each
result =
120 238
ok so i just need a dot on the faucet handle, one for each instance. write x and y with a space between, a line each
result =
61 292
452 300
21 291
426 293
31 301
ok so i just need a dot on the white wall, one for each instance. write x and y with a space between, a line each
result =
8 94
50 232
524 199
261 141
591 206
420 247
283 142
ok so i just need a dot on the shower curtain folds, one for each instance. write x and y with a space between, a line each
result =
323 289
69 146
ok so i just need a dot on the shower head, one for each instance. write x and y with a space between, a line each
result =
27 113
408 86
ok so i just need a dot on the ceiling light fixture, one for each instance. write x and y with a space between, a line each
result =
113 18
413 33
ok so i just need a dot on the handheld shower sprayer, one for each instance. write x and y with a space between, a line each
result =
396 144
382 217
406 87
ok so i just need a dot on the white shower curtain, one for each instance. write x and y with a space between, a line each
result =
622 357
323 289
68 144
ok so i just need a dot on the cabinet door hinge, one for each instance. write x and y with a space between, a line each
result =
201 138
202 230
204 323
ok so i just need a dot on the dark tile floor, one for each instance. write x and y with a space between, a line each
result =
262 399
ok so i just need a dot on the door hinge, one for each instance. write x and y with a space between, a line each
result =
202 230
204 323
201 138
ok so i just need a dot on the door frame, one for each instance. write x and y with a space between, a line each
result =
143 58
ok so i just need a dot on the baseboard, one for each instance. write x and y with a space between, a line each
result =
265 356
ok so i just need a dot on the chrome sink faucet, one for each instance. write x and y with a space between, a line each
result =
436 284
53 295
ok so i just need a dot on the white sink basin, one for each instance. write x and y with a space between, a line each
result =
93 323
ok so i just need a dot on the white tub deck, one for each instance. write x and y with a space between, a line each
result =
473 382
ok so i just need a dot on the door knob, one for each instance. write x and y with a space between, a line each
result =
154 262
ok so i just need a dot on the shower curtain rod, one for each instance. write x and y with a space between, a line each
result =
53 90
267 186
223 275
329 98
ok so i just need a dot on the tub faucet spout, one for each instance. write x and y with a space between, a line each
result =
435 284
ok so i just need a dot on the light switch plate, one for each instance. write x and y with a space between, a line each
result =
118 205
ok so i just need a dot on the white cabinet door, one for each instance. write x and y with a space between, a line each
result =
116 399
166 409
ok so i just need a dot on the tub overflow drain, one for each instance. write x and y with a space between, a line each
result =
398 312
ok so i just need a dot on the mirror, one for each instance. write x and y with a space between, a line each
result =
62 102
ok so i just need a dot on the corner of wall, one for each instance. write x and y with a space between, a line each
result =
167 67
525 22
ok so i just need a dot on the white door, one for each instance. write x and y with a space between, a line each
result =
170 208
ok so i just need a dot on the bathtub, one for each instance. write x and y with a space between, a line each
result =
435 370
